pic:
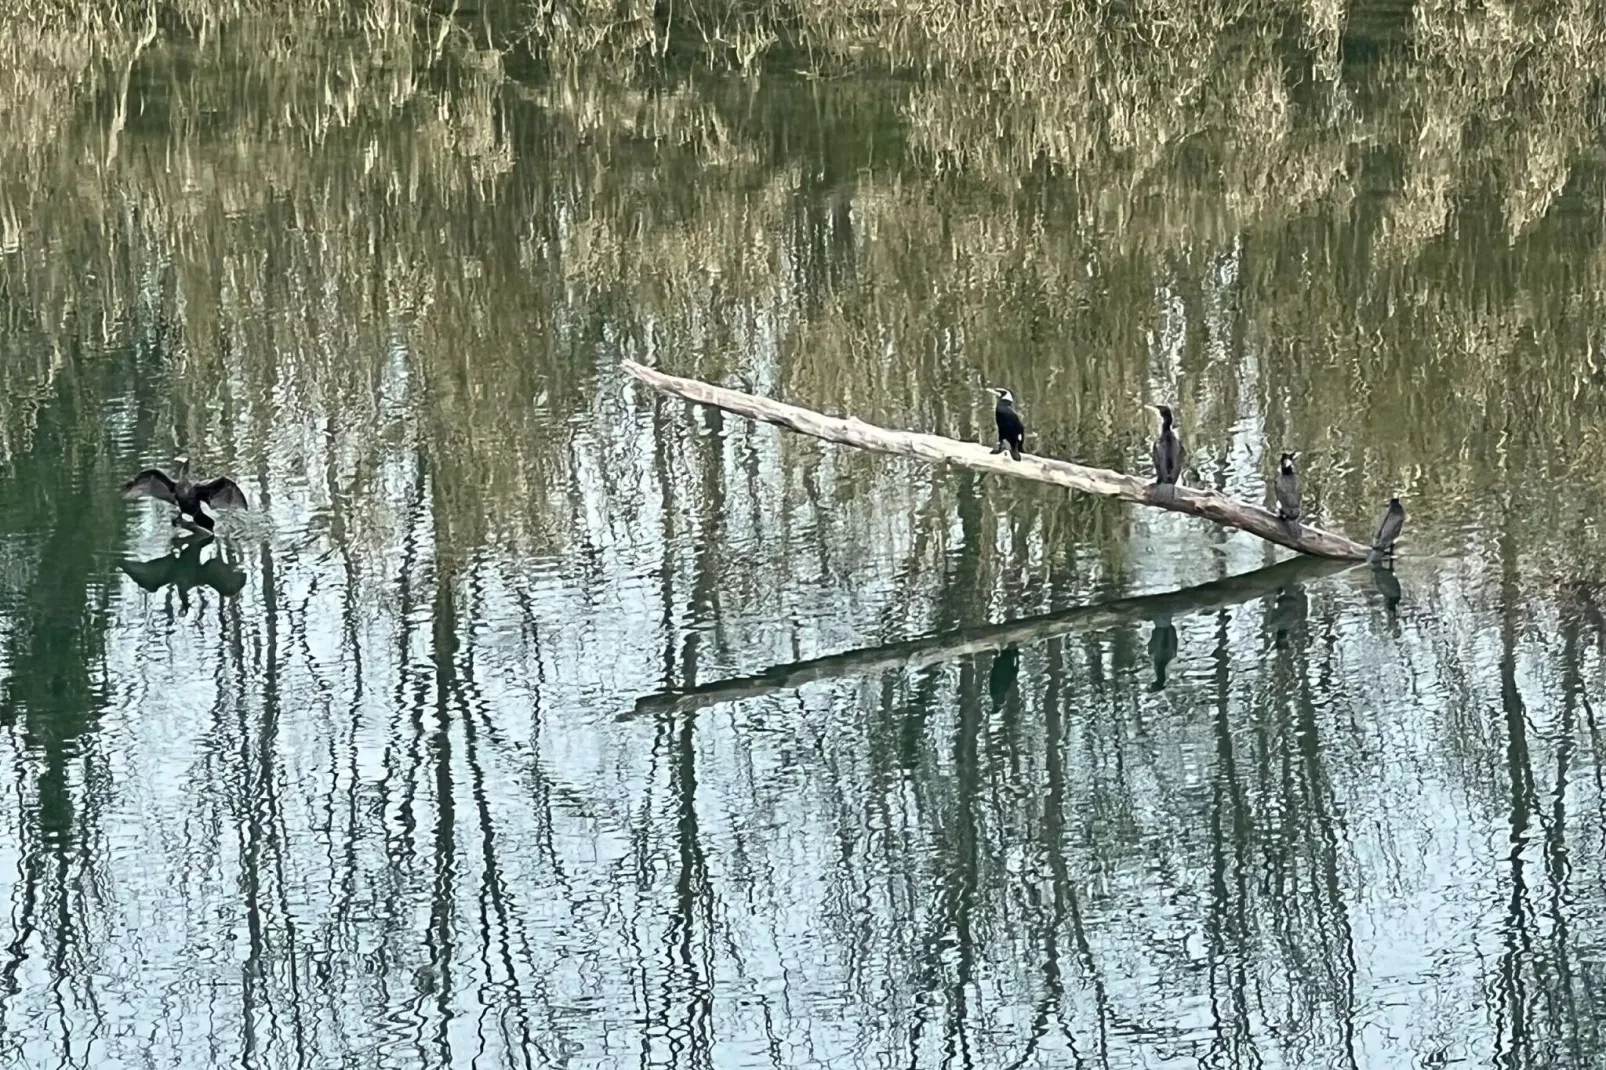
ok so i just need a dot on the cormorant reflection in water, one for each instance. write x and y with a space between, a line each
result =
185 570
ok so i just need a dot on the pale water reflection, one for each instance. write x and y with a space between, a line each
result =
535 720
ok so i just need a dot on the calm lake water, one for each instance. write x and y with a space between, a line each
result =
531 719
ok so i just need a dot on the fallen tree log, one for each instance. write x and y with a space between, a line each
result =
950 646
849 431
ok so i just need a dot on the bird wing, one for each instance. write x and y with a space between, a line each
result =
151 575
222 577
1288 493
222 493
153 483
1389 530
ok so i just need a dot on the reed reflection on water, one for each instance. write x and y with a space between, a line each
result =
536 720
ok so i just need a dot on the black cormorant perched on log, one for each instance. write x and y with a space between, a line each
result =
188 495
1288 494
1167 451
1011 431
1388 531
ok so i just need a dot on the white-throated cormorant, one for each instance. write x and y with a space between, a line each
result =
1167 451
1011 431
1288 494
188 495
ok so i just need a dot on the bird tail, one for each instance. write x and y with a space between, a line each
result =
1294 527
1376 556
1014 450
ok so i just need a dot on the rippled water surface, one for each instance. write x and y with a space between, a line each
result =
529 718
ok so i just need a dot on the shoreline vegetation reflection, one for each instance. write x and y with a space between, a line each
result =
1376 169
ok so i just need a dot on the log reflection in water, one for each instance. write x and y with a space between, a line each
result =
915 653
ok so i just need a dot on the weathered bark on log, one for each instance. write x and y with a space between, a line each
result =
1205 504
950 646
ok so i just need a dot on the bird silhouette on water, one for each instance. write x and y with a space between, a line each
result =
185 570
1001 678
1384 582
1387 532
1162 648
1289 609
1011 430
188 495
1167 452
1288 493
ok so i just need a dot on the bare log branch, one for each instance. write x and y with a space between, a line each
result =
849 431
